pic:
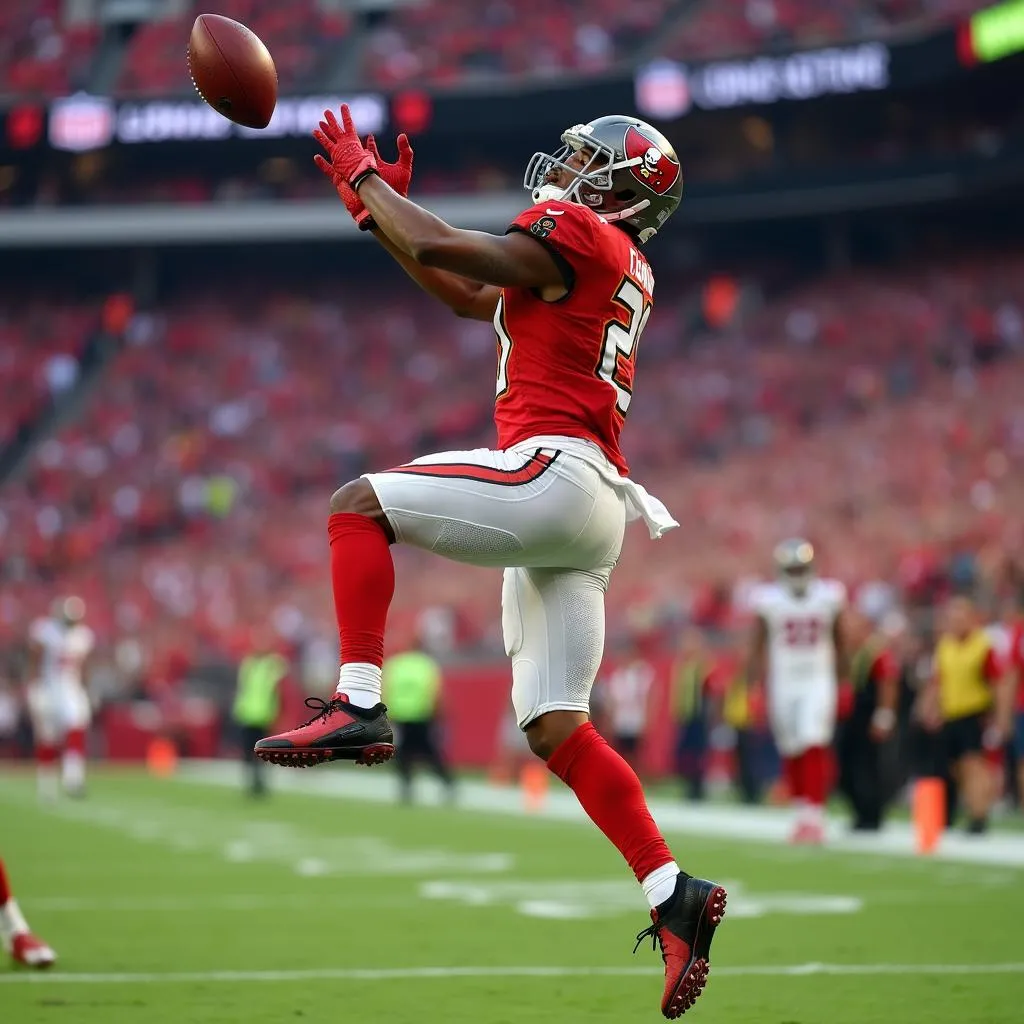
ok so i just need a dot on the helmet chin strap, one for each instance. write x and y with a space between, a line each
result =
627 213
552 193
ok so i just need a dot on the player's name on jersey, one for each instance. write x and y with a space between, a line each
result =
640 270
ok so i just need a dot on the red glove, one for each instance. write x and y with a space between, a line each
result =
352 202
348 157
397 175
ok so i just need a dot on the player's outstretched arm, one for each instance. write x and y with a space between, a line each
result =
513 260
463 297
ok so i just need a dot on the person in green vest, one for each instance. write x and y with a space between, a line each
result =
257 700
690 674
412 692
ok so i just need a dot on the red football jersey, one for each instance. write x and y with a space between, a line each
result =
567 367
1016 660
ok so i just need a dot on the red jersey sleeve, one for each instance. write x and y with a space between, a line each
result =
566 230
885 668
993 668
1017 649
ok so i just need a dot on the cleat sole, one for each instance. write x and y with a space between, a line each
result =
309 757
377 753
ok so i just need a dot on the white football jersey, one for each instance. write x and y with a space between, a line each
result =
801 649
629 688
64 650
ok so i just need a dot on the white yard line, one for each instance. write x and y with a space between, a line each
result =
747 824
430 973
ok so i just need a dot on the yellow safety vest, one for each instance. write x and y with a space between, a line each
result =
736 708
960 667
412 682
256 701
687 690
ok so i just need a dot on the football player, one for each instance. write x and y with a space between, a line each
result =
798 648
569 291
15 936
58 704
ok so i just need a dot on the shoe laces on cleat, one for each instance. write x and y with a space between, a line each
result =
652 933
323 708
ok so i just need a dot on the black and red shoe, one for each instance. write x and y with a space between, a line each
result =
684 926
339 731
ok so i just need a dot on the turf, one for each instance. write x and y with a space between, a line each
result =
173 901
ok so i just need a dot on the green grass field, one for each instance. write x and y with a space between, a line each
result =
182 901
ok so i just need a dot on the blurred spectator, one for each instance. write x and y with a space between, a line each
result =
967 673
692 674
412 692
872 721
257 703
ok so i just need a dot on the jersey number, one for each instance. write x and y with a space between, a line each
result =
618 347
801 632
504 346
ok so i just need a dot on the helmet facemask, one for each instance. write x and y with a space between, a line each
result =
591 185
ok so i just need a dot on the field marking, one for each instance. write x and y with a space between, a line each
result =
240 841
569 899
807 970
766 825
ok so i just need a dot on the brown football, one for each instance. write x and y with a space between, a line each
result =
232 70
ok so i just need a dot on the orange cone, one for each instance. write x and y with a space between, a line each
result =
929 813
161 757
534 778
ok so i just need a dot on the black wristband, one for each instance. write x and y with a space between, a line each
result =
367 224
356 182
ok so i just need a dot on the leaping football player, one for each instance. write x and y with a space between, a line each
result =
569 291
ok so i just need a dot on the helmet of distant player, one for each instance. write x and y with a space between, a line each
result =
631 176
69 610
794 562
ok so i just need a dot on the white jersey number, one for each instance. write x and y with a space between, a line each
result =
504 346
620 340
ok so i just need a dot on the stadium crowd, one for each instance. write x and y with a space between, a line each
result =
713 28
48 49
877 411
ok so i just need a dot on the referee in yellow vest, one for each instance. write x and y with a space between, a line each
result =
968 675
412 692
257 700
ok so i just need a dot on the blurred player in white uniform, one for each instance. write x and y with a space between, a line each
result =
798 649
24 947
57 700
627 700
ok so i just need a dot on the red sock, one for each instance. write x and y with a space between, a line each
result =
815 775
793 774
363 576
609 791
5 886
74 742
46 754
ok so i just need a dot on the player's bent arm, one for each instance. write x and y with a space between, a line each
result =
465 298
755 657
513 260
33 660
842 654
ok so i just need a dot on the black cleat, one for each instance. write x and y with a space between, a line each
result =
684 926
